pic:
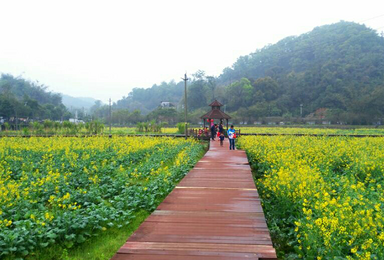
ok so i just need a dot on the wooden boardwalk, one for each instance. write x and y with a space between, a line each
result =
214 213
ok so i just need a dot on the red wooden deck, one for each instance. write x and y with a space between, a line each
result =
214 213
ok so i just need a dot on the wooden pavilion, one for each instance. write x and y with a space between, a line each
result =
216 113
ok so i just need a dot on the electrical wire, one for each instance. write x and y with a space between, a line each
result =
372 18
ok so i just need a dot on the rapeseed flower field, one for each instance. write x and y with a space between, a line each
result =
323 196
66 190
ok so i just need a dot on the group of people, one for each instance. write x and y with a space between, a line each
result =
218 131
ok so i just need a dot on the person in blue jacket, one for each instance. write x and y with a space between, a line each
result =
231 136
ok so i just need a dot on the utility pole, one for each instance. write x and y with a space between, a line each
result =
110 118
16 120
185 104
301 110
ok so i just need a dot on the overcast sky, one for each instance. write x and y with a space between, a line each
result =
103 49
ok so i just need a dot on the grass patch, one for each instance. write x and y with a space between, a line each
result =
101 247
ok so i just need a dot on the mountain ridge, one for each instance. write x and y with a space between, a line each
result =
77 102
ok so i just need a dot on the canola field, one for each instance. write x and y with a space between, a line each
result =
133 131
322 196
308 130
65 190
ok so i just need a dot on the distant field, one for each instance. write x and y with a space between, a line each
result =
304 130
133 130
270 130
347 130
115 131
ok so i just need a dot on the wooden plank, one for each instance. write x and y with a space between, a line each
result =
219 217
213 188
213 214
224 233
196 248
185 257
217 193
231 183
212 199
219 176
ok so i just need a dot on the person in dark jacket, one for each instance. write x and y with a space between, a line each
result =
221 139
221 128
213 132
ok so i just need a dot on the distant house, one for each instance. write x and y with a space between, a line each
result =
317 117
273 120
166 104
76 121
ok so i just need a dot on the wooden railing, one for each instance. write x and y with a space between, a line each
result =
206 135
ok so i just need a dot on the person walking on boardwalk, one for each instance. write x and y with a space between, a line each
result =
231 136
221 128
221 139
213 132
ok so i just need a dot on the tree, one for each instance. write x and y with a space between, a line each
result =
160 115
6 107
196 94
266 89
240 94
259 110
212 86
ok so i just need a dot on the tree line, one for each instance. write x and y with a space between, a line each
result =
20 98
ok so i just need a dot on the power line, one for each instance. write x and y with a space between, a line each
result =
372 18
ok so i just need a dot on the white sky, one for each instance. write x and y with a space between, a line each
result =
103 49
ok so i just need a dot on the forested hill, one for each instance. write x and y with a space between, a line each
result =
78 102
344 48
148 99
339 67
29 100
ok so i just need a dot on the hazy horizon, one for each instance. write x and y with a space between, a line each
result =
100 50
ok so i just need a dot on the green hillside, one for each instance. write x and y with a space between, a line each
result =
77 102
338 66
25 99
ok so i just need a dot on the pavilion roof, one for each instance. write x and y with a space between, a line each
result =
215 114
216 104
